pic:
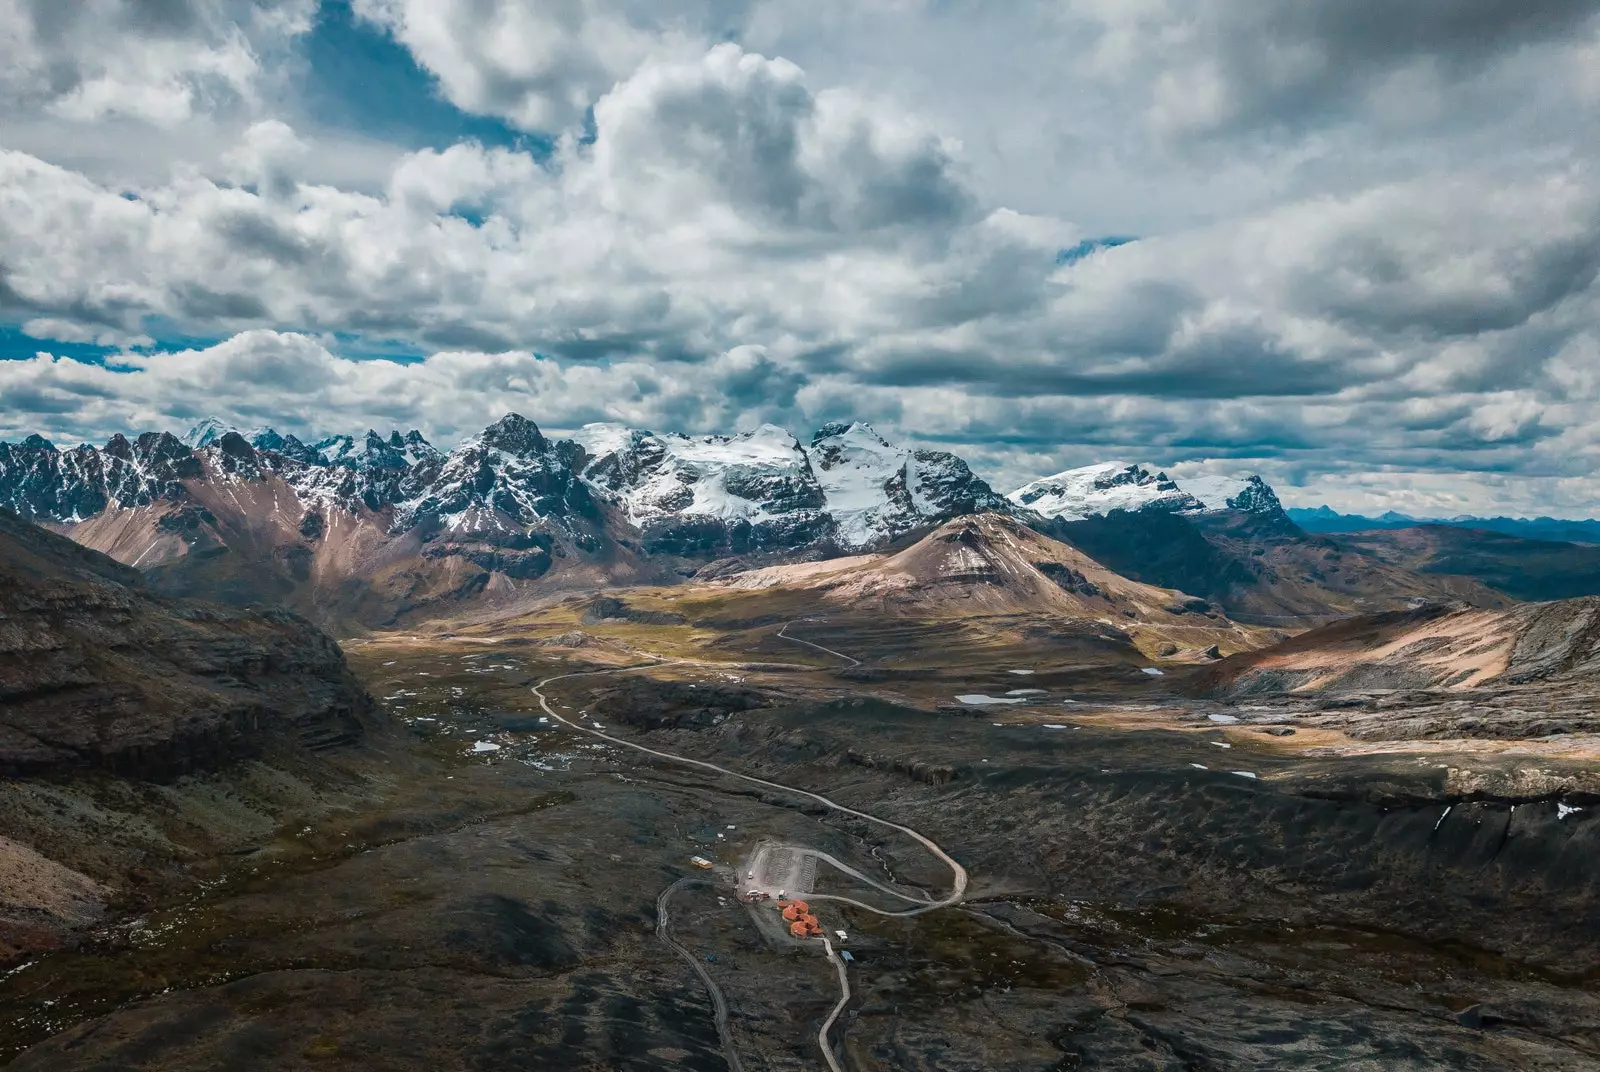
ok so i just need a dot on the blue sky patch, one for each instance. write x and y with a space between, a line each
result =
361 80
1089 245
16 345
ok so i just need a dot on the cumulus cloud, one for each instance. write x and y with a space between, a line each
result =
539 66
1210 66
720 237
295 383
159 61
732 246
615 246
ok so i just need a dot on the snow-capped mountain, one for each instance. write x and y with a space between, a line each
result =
38 481
708 494
1250 494
502 481
876 492
388 521
848 489
764 490
1097 490
211 429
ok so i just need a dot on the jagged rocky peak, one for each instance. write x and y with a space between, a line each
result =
514 434
42 483
1255 496
1097 490
210 432
372 451
506 479
165 452
234 445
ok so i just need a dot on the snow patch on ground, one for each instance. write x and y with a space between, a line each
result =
978 699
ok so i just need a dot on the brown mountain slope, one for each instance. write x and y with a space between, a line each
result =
97 671
1262 568
1519 567
1435 647
252 542
992 565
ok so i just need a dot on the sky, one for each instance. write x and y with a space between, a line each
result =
1351 245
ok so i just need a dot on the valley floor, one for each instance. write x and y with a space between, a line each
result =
1152 886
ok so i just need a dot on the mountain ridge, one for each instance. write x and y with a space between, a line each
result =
1097 490
377 530
1563 530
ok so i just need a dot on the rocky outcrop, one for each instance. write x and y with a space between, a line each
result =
96 671
648 704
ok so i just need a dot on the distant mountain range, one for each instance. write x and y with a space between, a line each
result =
365 529
1325 519
1097 490
372 530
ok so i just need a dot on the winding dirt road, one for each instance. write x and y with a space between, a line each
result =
921 906
958 885
719 1004
796 640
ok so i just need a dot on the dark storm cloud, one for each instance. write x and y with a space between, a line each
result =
1372 282
1222 65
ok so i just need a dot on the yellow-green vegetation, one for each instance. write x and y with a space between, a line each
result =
729 625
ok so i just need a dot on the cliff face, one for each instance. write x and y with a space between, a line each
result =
96 671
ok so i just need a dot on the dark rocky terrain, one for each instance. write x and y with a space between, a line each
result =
97 671
104 683
1136 904
1370 846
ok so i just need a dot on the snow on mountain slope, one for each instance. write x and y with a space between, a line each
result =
372 451
1096 490
40 482
1100 489
708 494
209 431
1250 494
500 482
850 489
876 492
